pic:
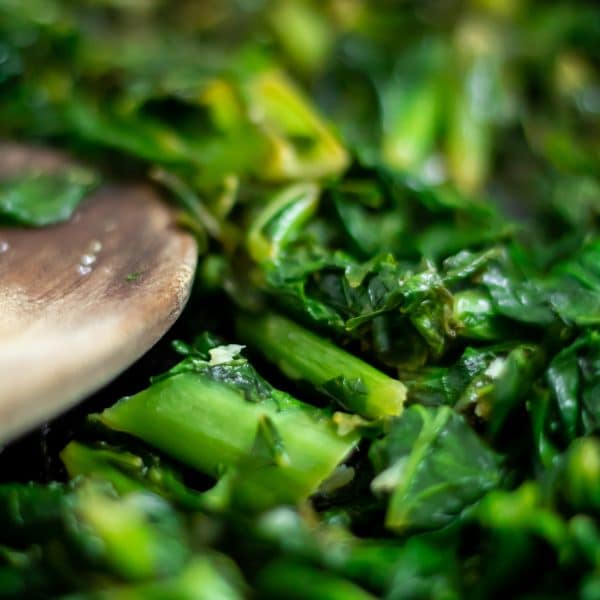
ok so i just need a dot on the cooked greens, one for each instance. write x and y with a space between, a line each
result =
397 208
221 418
39 199
434 466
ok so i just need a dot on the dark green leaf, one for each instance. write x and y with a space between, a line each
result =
39 199
434 466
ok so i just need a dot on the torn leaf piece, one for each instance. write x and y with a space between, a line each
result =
434 466
39 199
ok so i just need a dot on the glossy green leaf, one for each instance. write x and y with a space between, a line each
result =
40 199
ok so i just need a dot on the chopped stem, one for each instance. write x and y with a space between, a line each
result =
301 354
211 426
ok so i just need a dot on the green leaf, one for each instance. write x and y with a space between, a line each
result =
40 199
433 466
573 378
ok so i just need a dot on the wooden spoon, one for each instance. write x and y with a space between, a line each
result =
81 301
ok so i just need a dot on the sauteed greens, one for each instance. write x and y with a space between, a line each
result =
397 207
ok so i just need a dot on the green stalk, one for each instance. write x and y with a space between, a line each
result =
101 465
412 105
285 213
129 473
478 100
468 144
303 355
273 448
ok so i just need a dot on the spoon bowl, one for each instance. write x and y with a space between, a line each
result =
82 300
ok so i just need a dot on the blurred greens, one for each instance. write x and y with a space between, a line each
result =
397 207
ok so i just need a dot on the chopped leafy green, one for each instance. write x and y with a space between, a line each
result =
39 199
88 526
399 215
572 379
272 438
433 466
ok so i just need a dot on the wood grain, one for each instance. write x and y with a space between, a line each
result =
81 301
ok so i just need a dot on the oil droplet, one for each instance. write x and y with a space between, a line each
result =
84 269
88 259
4 246
95 247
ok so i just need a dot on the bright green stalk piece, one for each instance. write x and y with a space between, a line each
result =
412 104
303 32
303 355
411 131
128 472
103 464
524 510
577 475
478 101
468 141
220 417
